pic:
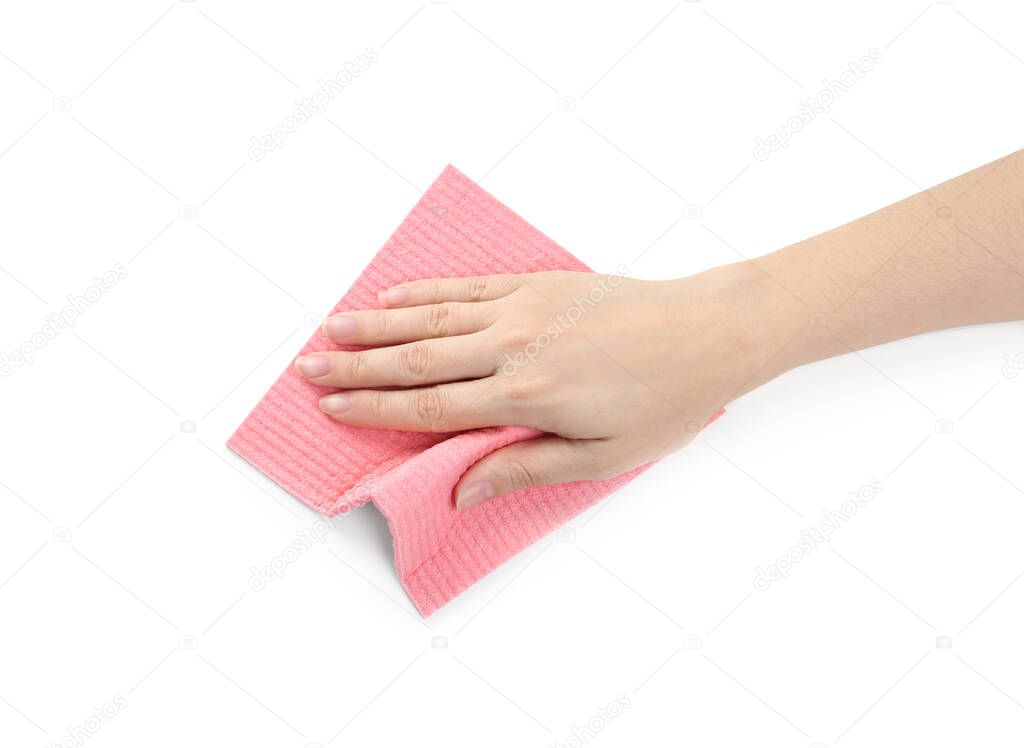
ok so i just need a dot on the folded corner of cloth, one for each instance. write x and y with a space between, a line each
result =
456 229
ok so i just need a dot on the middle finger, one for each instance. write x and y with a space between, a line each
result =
408 365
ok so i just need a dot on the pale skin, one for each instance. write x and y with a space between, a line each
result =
645 366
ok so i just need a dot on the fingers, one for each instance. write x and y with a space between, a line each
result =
436 290
387 327
536 462
446 407
408 365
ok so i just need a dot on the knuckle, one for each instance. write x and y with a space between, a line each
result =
478 288
377 404
517 475
526 386
518 388
430 408
439 317
356 367
383 324
414 359
516 338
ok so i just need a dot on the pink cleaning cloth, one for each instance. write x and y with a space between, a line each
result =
456 229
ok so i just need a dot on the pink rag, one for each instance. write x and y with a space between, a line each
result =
456 229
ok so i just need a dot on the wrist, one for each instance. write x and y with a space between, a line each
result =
781 326
748 323
753 326
806 281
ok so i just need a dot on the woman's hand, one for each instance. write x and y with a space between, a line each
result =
618 371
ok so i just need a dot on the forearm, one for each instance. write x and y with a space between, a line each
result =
949 256
637 375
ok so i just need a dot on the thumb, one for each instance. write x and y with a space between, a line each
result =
535 462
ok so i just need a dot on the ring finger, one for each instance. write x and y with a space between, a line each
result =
456 406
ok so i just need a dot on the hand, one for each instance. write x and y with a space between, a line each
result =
618 372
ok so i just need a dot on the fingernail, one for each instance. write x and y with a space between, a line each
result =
339 327
474 493
315 365
337 403
393 296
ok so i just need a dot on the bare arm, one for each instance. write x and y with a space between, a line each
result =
625 380
949 256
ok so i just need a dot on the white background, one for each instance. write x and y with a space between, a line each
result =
126 543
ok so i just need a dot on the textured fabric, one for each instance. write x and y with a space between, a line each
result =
456 229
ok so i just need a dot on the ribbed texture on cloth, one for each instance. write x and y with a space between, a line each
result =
456 229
